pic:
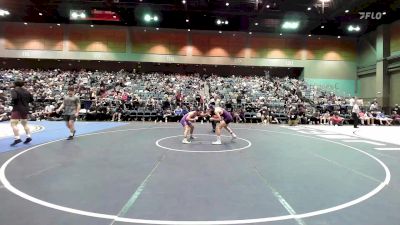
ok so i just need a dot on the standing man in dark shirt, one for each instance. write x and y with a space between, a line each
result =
71 106
20 99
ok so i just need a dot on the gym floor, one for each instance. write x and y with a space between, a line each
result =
141 173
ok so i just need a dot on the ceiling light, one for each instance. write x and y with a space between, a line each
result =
352 28
40 14
250 33
187 20
268 6
384 13
309 8
226 22
322 26
347 11
280 34
25 23
290 25
4 12
74 15
92 25
227 4
338 36
147 18
77 14
256 24
183 2
309 35
219 22
58 24
220 32
189 30
157 28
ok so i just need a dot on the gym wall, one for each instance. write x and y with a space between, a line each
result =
327 61
368 57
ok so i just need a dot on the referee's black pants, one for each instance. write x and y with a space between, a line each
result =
355 119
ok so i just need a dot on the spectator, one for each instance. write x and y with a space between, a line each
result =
293 117
374 107
3 113
337 120
264 114
315 117
396 117
371 117
178 111
158 91
49 111
383 118
325 118
396 109
365 119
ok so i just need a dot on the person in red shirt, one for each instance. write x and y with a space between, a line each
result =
337 120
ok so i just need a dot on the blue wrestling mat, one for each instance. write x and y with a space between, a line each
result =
45 131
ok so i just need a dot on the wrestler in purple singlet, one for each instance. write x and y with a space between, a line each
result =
227 116
184 122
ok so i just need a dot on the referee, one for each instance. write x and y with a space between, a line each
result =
354 113
20 99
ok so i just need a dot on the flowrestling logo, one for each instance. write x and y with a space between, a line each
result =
371 15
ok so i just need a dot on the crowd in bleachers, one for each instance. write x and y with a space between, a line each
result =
125 96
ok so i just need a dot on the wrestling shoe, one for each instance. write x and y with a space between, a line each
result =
16 141
27 140
184 141
218 142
